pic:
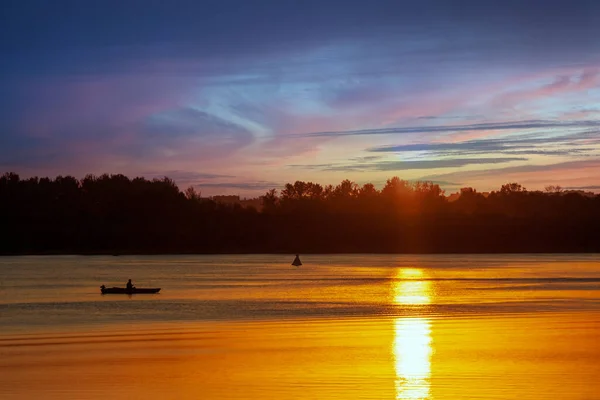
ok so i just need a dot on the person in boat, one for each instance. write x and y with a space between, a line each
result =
130 285
297 261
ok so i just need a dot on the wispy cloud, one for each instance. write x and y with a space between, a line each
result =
580 164
590 187
580 172
213 183
515 125
561 85
408 165
246 186
185 176
528 144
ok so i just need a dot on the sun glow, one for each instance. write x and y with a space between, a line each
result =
412 347
410 288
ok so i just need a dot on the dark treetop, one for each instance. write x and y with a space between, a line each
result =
112 214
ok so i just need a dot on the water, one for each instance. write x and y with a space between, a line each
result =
339 327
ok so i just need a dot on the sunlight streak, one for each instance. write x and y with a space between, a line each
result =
409 289
412 346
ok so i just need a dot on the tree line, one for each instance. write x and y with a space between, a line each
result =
113 214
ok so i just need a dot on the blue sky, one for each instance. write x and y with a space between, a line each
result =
242 96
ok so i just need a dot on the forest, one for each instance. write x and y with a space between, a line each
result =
113 214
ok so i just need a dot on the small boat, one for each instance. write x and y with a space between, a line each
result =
297 261
118 290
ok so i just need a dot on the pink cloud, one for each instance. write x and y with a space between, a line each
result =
114 101
472 135
570 173
575 81
97 126
581 114
485 98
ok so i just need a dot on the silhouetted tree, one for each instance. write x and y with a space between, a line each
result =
553 189
270 201
113 213
510 188
192 194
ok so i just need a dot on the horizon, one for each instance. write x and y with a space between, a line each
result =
556 188
236 98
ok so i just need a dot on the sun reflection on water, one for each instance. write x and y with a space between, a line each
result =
412 345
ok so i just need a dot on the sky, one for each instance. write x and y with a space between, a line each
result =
240 96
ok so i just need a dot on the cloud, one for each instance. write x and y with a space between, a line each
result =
561 85
187 121
212 183
565 152
580 164
516 125
84 125
194 127
408 165
449 163
441 117
246 186
581 172
364 158
528 144
590 187
185 176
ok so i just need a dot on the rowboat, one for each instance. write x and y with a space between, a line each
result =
118 290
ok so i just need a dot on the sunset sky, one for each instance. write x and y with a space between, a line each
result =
237 97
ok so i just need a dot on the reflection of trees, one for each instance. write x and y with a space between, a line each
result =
112 213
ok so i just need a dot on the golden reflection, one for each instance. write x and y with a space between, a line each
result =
410 289
412 337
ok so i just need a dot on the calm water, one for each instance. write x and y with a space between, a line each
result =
339 327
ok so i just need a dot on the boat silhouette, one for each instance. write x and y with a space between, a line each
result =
134 290
297 261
